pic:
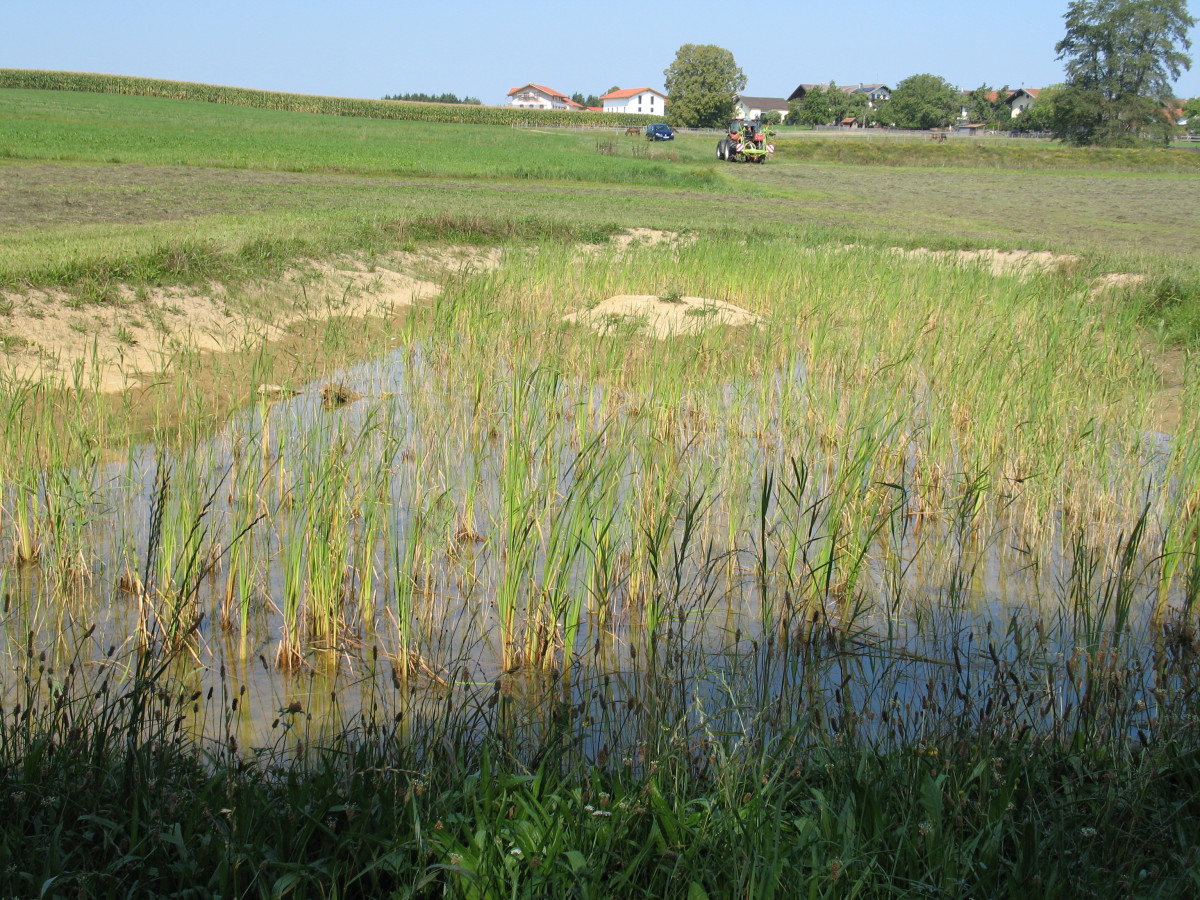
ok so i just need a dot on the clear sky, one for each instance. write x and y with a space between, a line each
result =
368 48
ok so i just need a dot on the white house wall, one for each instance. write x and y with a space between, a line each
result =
531 99
1022 103
742 111
651 104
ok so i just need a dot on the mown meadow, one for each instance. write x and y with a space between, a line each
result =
891 593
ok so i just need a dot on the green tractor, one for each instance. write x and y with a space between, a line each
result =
745 142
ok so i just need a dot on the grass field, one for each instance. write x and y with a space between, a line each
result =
891 592
359 173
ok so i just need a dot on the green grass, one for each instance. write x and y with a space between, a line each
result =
882 149
193 173
33 79
441 810
1118 213
1171 308
45 125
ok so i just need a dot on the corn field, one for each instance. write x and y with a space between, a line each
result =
441 113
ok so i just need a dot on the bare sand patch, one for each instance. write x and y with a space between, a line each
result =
639 237
1113 281
648 237
52 336
998 262
662 317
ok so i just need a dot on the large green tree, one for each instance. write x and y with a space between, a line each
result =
827 104
1191 112
1041 115
985 105
924 101
1121 57
816 108
850 104
702 85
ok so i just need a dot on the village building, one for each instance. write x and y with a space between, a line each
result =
538 96
754 107
1021 99
635 100
876 93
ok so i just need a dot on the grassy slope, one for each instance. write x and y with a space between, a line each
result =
1037 201
905 149
469 114
115 129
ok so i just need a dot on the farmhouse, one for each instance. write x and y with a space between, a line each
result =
538 96
876 93
754 107
1021 99
635 100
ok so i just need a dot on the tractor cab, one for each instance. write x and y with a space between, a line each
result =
745 131
744 141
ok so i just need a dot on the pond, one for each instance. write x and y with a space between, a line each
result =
523 549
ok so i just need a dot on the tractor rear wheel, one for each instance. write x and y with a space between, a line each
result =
723 149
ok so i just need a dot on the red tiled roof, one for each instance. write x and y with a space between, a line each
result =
1032 92
629 92
541 87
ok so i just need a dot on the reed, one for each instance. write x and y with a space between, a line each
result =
771 588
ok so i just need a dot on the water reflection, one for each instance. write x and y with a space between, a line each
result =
537 553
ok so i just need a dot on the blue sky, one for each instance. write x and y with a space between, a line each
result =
368 48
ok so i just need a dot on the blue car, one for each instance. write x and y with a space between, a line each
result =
660 131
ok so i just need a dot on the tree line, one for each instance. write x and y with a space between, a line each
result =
435 98
1120 58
